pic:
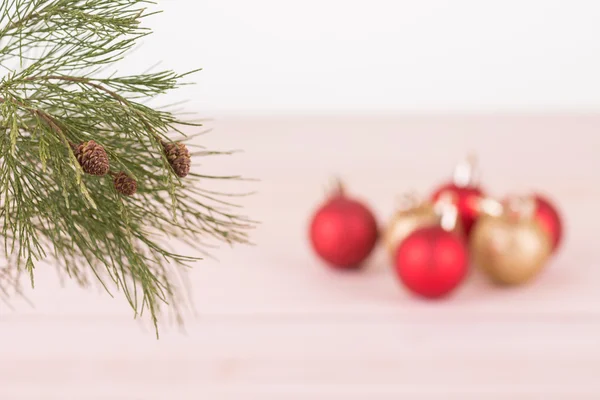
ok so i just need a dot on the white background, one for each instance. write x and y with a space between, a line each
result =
265 56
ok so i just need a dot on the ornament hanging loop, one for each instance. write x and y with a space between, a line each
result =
466 173
522 207
408 201
335 188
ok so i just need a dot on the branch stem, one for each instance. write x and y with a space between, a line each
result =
86 81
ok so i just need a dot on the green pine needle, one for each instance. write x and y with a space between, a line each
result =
51 95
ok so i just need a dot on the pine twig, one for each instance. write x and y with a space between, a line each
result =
90 180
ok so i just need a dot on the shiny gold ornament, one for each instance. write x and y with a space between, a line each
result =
511 248
404 222
413 215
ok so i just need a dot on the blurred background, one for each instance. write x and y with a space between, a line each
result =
269 56
389 95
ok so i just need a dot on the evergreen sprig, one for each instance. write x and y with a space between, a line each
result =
52 96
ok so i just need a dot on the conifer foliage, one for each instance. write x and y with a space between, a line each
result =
93 181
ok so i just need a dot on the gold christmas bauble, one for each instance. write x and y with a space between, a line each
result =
510 250
406 221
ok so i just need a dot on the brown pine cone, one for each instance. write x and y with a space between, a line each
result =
92 157
179 158
125 184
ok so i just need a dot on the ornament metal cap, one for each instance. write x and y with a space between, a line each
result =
446 208
408 200
522 206
490 207
338 188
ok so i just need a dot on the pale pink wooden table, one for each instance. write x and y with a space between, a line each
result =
273 323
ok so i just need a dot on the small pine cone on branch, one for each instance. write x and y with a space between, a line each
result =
124 184
179 158
92 157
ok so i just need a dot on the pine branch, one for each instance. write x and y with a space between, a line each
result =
90 180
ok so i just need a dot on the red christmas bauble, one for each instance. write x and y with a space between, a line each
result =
466 199
432 262
343 232
549 218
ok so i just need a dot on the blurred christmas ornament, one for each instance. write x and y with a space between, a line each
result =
415 213
343 231
510 245
549 219
432 261
466 190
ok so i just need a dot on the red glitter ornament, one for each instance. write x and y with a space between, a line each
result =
550 220
432 262
343 231
466 192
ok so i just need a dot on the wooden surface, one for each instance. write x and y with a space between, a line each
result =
273 323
